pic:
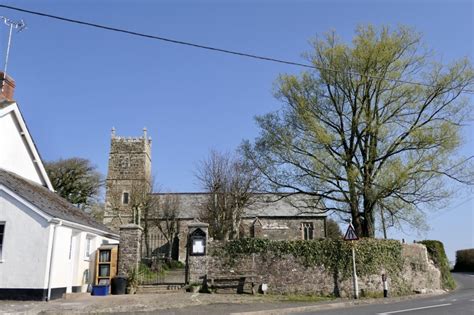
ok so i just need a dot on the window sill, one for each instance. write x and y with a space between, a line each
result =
2 261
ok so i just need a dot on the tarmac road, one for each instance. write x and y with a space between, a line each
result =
460 301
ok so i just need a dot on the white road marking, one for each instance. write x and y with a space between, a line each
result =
414 309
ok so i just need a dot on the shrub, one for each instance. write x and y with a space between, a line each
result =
464 260
175 264
438 255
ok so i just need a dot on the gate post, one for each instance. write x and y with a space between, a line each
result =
129 248
196 251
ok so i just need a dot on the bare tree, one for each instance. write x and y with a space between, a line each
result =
115 210
231 183
138 207
167 218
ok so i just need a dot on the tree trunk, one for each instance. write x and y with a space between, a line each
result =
384 227
170 247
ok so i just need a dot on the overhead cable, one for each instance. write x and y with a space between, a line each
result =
216 49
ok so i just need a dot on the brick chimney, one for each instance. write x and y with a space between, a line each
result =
7 85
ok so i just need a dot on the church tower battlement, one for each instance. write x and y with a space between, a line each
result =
129 174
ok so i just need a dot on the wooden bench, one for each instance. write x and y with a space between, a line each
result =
238 281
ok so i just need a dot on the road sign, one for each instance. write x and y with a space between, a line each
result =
350 234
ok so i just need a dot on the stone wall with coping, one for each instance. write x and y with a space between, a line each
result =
129 248
286 275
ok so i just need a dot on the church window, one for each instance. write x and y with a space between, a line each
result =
125 198
2 231
307 229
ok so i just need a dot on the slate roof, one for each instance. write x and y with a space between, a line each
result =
48 201
265 205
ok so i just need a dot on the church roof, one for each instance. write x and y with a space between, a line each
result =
47 201
263 205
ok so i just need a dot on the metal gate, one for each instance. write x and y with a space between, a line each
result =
156 267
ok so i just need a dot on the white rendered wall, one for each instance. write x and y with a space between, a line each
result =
70 272
61 263
25 245
87 263
15 156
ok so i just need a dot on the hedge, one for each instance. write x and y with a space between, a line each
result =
438 256
464 260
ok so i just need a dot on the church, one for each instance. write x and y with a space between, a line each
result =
129 178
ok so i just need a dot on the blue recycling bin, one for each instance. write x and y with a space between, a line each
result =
100 290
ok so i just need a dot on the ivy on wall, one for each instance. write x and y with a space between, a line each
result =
371 255
438 256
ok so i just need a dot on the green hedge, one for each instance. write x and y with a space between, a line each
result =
371 254
438 255
464 260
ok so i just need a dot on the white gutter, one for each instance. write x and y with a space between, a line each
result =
87 228
55 222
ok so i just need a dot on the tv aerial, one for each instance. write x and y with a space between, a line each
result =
18 26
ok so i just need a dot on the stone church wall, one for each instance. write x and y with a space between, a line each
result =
279 228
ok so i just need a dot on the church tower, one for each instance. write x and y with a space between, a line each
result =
128 177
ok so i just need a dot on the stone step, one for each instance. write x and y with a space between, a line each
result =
159 288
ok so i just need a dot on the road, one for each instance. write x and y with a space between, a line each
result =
460 301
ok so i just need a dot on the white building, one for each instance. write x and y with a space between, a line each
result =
47 245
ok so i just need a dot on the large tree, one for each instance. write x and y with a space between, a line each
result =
75 179
231 183
358 133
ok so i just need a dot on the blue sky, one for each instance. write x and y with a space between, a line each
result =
74 82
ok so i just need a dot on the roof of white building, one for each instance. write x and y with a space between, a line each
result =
47 201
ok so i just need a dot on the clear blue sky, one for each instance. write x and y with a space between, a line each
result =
74 82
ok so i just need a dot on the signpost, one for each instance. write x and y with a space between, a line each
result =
352 236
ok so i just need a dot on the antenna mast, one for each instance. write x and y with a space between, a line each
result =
19 26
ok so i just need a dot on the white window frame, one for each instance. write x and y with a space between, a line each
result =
70 245
2 241
307 229
88 247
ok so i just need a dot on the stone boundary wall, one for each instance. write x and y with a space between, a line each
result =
285 275
129 248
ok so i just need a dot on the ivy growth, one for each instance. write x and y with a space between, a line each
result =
438 256
371 255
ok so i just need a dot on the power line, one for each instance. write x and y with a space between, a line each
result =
221 50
